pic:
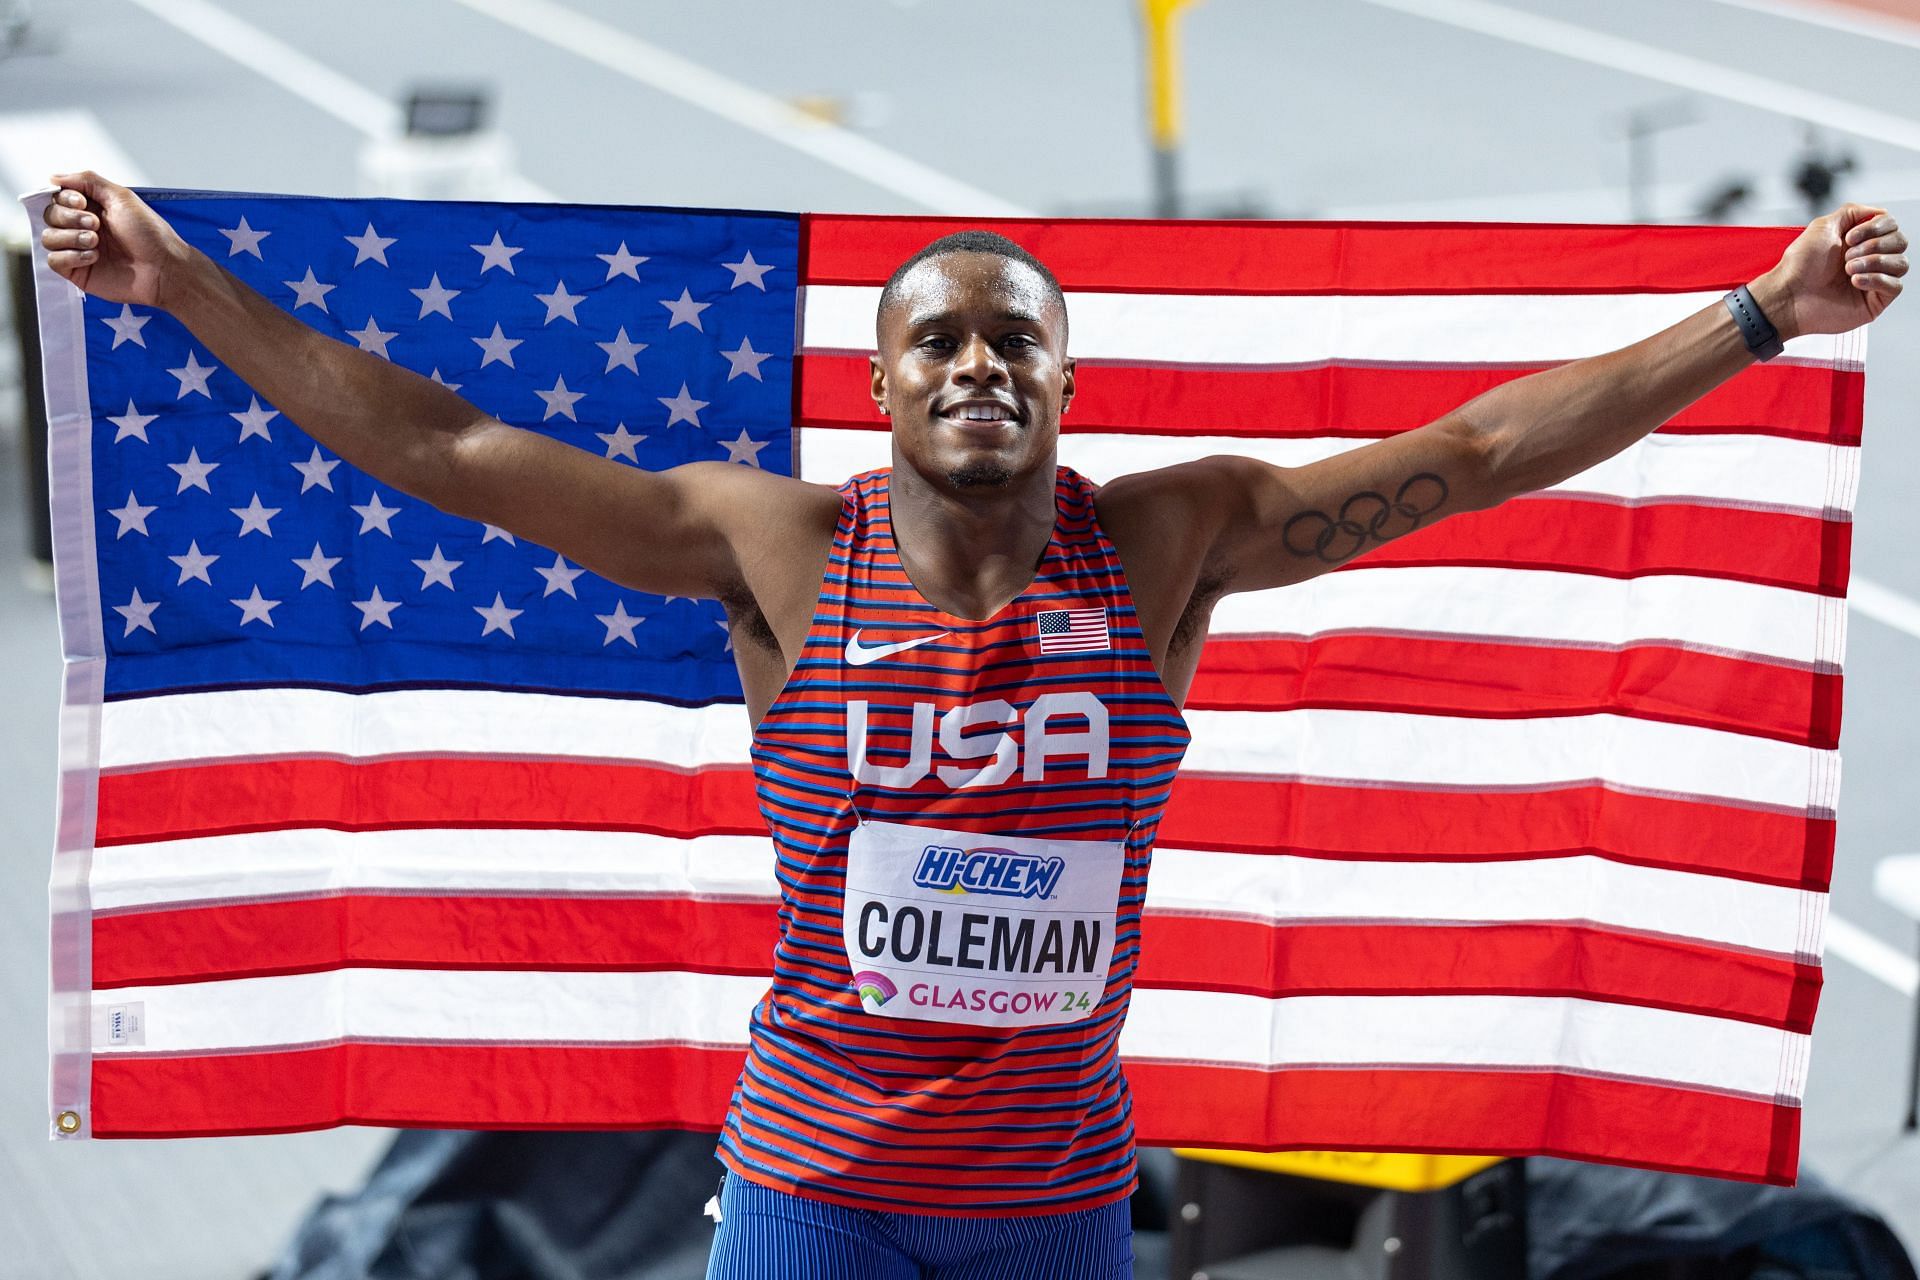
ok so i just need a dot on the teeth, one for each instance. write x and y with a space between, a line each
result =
982 413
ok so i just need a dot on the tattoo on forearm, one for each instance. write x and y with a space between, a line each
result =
1365 519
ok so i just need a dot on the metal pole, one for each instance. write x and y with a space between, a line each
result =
1163 101
1913 1079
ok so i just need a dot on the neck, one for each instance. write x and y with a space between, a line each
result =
971 551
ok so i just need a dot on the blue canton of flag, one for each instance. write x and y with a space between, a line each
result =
235 551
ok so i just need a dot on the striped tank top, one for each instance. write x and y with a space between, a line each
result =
962 815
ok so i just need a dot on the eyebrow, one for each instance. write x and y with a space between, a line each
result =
943 317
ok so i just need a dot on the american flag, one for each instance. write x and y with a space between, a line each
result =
1514 836
1071 630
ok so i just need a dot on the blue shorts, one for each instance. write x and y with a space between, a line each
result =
770 1235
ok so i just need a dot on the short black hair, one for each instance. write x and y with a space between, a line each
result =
973 241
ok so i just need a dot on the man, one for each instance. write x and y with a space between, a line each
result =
932 1084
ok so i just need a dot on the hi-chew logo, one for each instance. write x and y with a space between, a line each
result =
1004 872
877 987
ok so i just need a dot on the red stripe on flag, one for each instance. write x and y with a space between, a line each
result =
1139 256
1251 957
1247 814
1615 540
1506 1113
1802 402
1434 675
192 943
421 1086
1255 957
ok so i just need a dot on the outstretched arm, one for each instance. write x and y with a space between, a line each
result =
1269 526
685 531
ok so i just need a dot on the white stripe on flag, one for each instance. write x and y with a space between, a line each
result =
1216 330
1370 747
1273 888
1750 471
537 1007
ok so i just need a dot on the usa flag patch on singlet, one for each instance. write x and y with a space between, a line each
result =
1071 630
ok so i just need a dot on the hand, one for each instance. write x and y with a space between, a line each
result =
110 243
1841 272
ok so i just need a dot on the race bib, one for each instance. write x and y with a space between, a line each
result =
1001 931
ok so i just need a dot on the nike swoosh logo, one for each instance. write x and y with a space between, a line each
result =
859 655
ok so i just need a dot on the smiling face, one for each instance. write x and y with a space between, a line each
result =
973 370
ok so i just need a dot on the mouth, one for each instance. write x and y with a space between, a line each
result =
979 415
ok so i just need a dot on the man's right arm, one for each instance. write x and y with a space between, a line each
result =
675 532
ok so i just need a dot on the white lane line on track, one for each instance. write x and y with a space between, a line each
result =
278 61
353 104
1551 35
1865 952
1884 605
1853 22
700 86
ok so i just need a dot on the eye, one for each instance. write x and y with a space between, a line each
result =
935 342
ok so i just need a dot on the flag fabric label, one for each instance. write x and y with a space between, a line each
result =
1513 836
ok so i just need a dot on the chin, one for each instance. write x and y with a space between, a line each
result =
980 475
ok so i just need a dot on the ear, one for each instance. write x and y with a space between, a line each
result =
878 389
1066 384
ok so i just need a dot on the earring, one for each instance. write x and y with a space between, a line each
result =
883 409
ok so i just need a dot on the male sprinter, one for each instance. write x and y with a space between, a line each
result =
932 1086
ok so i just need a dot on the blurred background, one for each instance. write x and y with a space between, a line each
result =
1728 111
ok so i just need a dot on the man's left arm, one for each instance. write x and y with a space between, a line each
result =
1272 526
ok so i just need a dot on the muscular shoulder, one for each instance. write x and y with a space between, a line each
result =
1164 522
1164 525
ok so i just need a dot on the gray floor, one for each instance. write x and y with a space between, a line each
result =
1294 108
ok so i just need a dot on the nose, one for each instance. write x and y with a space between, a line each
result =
977 364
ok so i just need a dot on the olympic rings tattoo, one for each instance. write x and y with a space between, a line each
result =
1365 518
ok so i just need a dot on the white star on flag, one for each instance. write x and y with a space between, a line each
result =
560 303
437 569
373 338
559 578
138 613
621 263
685 310
434 298
244 239
373 515
126 327
254 516
451 386
497 254
683 407
370 245
743 449
621 351
132 423
309 292
499 617
374 609
747 271
316 471
254 421
744 359
498 347
193 564
722 624
559 400
317 567
619 624
620 442
192 472
131 516
255 608
193 376
495 531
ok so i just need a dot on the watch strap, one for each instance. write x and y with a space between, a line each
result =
1762 339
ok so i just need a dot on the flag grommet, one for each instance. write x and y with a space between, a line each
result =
68 1122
